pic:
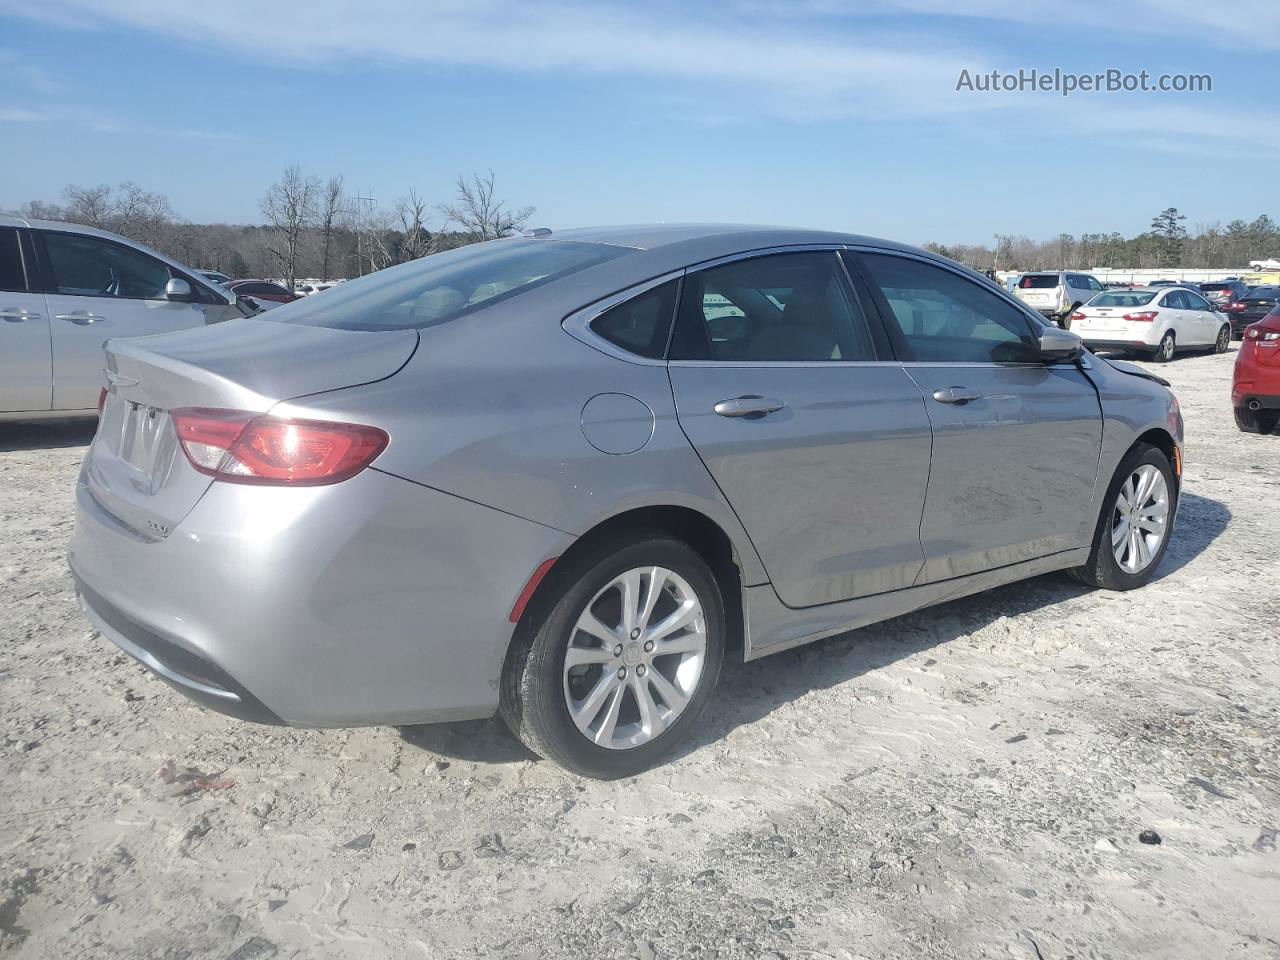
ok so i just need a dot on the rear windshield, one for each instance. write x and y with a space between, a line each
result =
1215 287
1262 293
1038 281
1122 298
445 286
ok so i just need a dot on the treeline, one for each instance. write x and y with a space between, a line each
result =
1167 244
310 228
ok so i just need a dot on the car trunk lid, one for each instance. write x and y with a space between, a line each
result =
136 468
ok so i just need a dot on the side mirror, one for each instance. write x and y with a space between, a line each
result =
1057 345
179 290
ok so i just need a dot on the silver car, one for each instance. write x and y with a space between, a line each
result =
562 476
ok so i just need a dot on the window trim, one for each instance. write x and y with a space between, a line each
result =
1035 323
881 343
205 295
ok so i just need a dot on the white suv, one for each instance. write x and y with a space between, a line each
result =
64 289
1056 295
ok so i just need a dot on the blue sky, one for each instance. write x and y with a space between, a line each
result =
826 113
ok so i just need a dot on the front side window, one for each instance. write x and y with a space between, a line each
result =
12 277
642 324
445 286
789 307
91 267
944 318
1195 301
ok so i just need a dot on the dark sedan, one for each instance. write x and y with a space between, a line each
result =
1251 308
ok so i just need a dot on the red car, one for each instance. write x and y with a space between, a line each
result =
265 290
1255 388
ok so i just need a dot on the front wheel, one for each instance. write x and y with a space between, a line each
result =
622 660
1136 522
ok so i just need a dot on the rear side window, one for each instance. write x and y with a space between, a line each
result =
791 307
642 325
12 277
1038 281
945 318
445 286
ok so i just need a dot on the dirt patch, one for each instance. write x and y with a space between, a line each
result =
972 780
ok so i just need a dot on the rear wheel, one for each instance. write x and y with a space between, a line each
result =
1165 351
1256 421
1223 343
1137 519
622 660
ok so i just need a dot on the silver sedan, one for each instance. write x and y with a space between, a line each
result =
562 476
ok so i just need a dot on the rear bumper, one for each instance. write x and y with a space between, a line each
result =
371 601
1095 344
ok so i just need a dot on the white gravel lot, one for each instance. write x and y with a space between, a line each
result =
968 781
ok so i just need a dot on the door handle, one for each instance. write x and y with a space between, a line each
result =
81 317
17 316
960 395
748 406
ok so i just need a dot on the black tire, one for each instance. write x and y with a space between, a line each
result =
532 698
1101 569
1223 343
1256 421
1166 349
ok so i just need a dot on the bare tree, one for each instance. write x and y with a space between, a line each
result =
290 208
89 205
418 241
141 214
332 205
479 213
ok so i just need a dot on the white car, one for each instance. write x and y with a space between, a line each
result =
1157 321
64 289
1055 294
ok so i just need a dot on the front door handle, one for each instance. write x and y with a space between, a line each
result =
748 406
81 317
17 316
959 395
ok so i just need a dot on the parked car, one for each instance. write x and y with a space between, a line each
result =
64 289
1158 323
267 293
1252 307
1222 292
307 289
563 476
1163 283
1255 384
1056 295
217 276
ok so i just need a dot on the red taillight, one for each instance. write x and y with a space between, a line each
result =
1077 316
1234 307
241 447
102 400
1145 316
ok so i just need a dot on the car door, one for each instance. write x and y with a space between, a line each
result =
1183 320
1208 321
26 370
785 386
97 289
1016 442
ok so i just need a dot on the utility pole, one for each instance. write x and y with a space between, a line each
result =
360 232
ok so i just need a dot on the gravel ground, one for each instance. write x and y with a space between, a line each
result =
968 781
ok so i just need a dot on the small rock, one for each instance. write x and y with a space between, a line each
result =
1105 845
362 842
131 697
449 860
409 847
1027 892
645 950
439 766
1208 787
680 818
227 927
255 948
568 804
1266 842
930 662
1055 732
627 906
1017 739
1150 837
704 877
761 905
274 905
782 923
490 845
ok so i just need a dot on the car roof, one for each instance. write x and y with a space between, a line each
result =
714 237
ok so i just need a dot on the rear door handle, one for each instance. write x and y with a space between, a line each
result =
17 316
81 317
956 395
748 406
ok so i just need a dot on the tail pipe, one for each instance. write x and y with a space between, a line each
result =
1255 404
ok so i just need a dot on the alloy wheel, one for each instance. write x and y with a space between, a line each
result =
635 657
1166 348
1140 519
1224 340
